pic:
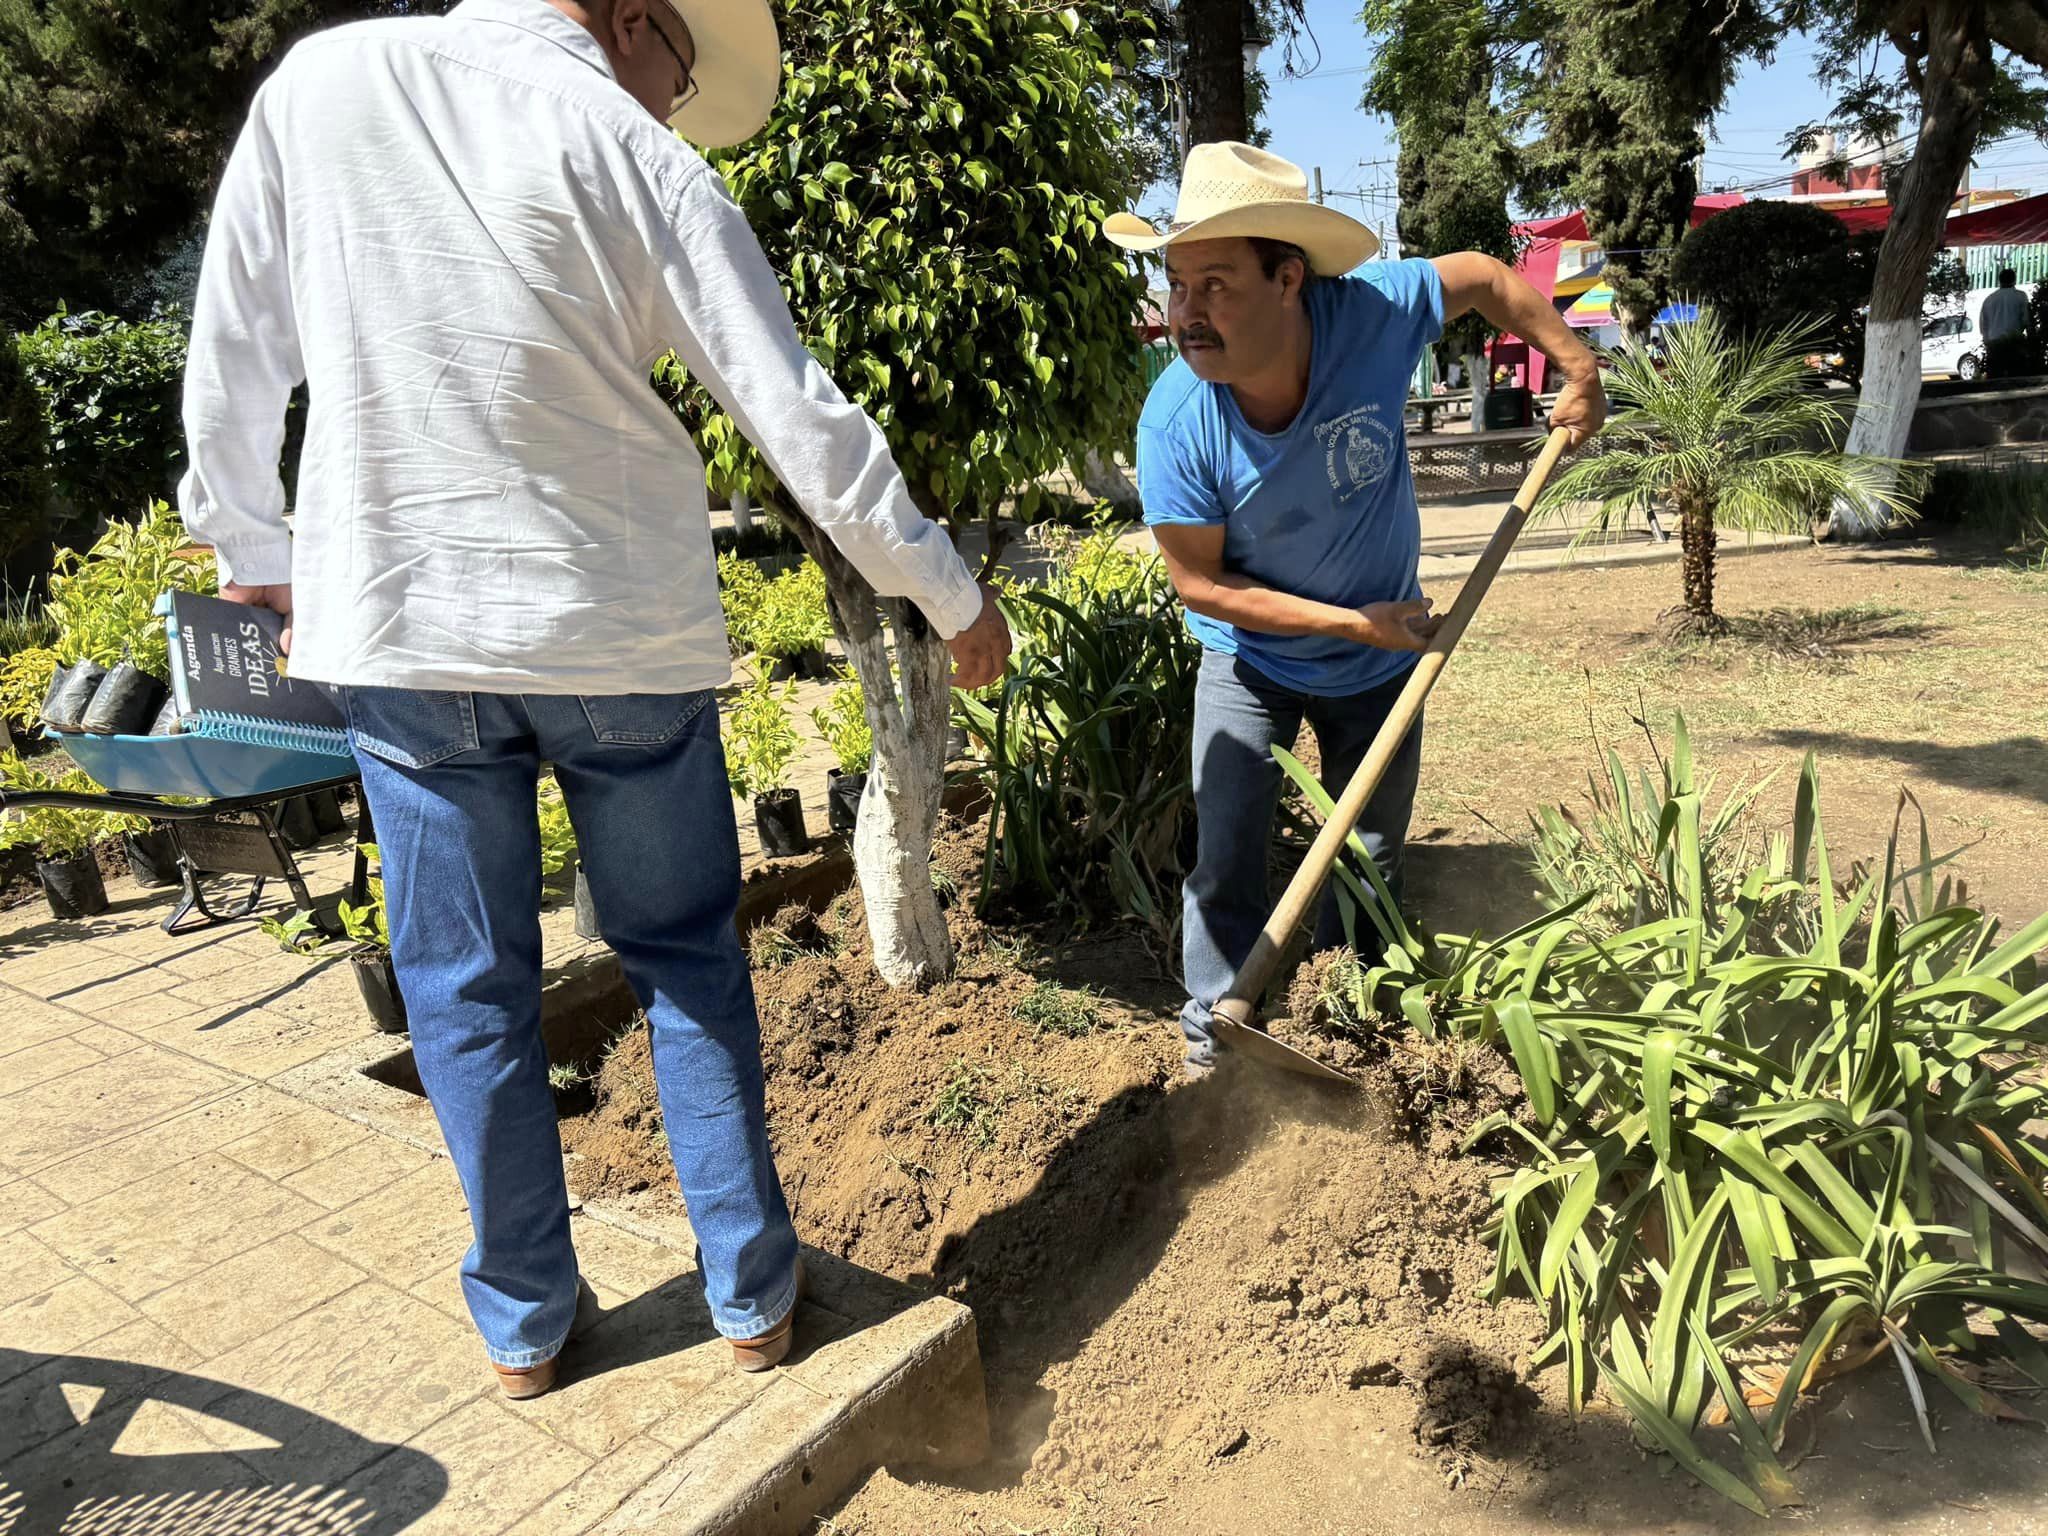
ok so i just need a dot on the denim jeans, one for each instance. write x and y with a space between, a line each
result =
1240 715
451 779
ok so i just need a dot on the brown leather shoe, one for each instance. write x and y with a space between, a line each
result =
768 1350
532 1381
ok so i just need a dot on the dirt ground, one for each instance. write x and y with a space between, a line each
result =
1246 1305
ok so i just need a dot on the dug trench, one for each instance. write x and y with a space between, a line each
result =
1153 1265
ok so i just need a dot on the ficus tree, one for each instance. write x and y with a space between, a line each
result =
930 190
1956 72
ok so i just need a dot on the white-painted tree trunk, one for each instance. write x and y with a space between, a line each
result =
1475 370
899 811
1103 478
909 710
1884 414
742 513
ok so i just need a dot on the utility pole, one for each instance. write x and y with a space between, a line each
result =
1319 183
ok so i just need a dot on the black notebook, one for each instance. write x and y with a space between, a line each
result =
229 683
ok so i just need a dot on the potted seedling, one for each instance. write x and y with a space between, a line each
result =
742 588
843 721
558 853
60 839
760 744
793 624
369 928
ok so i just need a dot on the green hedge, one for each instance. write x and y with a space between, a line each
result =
112 393
24 454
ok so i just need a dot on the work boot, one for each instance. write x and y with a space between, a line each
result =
522 1382
765 1351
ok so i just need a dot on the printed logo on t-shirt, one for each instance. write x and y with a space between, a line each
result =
1358 449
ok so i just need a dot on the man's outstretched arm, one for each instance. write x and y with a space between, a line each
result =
1507 302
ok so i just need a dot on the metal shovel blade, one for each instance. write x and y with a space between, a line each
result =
1261 1047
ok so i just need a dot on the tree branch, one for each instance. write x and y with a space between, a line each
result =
2022 26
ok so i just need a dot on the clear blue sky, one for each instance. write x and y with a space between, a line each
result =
1316 120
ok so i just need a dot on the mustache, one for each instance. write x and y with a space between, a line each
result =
1198 334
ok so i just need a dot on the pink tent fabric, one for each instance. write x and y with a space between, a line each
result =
1542 241
2023 222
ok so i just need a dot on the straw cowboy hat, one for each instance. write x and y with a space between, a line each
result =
738 70
1231 190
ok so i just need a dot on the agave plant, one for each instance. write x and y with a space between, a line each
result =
1730 433
1805 1138
1084 746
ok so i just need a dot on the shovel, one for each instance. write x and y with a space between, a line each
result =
1233 1015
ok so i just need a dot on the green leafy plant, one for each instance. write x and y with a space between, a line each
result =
792 616
742 588
24 452
104 602
1619 847
1727 431
843 721
1804 1142
557 832
760 738
1084 745
369 924
298 934
1059 1011
112 391
55 833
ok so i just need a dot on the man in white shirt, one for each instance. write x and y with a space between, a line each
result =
471 237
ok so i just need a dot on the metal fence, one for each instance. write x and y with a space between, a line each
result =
1984 262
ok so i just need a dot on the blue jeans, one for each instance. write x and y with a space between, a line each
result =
451 780
1240 715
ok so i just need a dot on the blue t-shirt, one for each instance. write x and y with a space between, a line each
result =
1324 510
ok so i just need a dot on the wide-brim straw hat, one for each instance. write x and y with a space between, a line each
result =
738 70
1234 190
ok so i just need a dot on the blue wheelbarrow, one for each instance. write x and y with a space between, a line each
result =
230 827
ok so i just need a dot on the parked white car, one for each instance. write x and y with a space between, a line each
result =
1951 346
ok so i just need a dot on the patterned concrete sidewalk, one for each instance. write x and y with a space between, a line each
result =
225 1307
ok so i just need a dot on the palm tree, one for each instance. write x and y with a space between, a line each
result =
1730 433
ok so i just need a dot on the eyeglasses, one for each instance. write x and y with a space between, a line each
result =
688 93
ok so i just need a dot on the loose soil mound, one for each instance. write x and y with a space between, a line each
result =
1154 1265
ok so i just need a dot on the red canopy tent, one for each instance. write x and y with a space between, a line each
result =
2022 222
1542 241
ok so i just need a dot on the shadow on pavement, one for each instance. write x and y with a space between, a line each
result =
114 1446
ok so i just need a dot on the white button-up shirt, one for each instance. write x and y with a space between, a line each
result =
473 245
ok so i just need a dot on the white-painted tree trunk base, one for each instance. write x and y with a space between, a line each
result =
1884 416
1475 370
742 514
1103 478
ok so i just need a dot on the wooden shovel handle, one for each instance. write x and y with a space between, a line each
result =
1238 1003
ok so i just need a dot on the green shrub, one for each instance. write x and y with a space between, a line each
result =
112 396
793 616
1740 1132
1084 745
1619 847
843 721
24 453
557 832
104 602
2008 501
760 738
54 832
741 590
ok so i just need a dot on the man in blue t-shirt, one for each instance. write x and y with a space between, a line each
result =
1274 471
